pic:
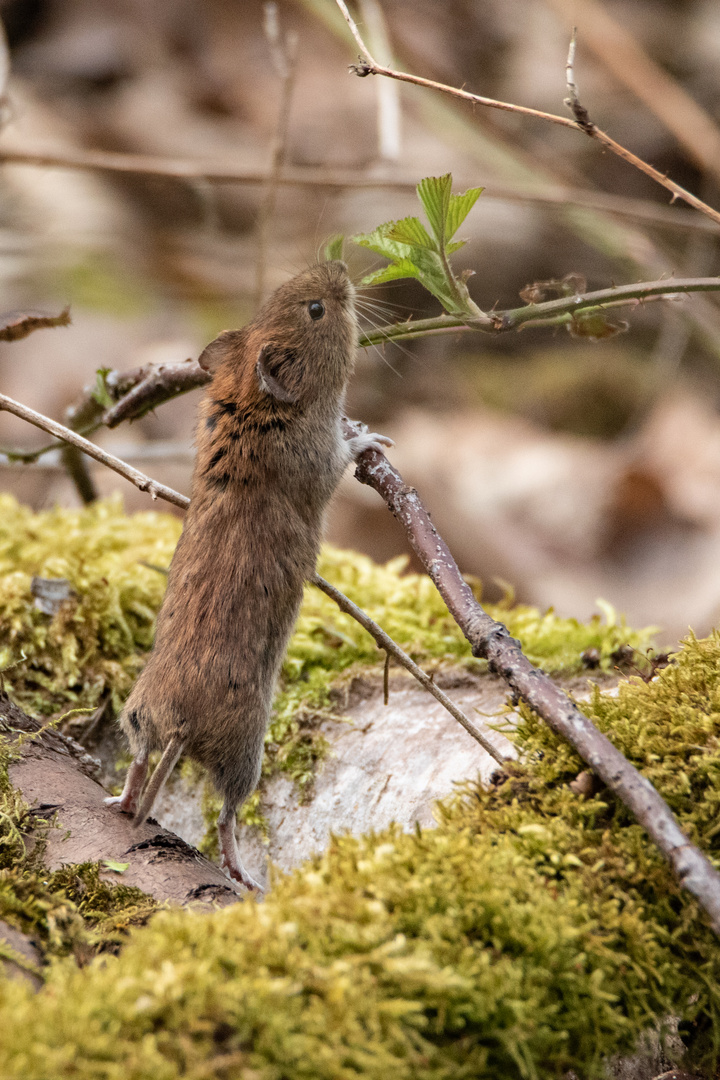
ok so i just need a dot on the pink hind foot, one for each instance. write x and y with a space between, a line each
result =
230 859
134 783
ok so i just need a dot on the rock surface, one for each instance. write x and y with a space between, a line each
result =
385 764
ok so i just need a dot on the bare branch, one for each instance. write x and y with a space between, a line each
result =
18 325
153 385
368 66
157 490
140 480
201 172
621 53
491 640
392 649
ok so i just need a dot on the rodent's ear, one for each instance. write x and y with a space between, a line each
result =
218 350
270 384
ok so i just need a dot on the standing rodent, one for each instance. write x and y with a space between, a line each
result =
270 453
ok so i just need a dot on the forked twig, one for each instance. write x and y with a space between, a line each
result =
367 65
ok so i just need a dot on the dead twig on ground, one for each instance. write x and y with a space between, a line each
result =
393 649
367 65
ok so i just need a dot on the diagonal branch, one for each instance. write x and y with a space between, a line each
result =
491 640
393 649
139 479
158 490
368 66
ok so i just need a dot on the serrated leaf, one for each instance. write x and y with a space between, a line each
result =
455 245
379 242
402 269
101 392
434 193
410 230
116 867
334 247
458 209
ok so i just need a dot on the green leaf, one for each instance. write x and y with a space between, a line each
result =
379 242
402 269
410 230
117 867
334 247
434 193
459 208
101 392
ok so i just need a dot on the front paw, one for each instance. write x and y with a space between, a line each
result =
369 441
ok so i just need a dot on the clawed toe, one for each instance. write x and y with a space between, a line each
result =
238 873
369 441
126 806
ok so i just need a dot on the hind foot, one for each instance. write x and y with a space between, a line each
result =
230 860
134 783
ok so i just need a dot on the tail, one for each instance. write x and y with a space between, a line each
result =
165 766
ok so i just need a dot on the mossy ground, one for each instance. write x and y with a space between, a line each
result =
70 912
531 933
93 649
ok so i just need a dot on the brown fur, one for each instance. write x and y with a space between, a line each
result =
269 455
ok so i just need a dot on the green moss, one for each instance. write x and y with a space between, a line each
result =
95 646
69 912
530 933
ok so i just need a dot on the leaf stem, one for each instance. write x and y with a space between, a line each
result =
549 312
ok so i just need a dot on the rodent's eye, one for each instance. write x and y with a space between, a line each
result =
316 309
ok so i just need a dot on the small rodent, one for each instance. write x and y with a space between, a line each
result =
270 453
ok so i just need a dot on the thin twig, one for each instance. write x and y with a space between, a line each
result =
491 640
140 480
284 56
158 490
392 649
191 171
142 389
368 66
550 312
621 53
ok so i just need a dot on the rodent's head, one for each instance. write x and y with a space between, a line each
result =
301 344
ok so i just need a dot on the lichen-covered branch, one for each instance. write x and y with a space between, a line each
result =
491 641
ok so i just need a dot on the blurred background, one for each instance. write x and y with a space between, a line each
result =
569 469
